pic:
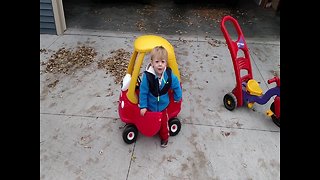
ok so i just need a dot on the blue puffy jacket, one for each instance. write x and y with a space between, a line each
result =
158 103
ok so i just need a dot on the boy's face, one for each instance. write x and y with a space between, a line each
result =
159 65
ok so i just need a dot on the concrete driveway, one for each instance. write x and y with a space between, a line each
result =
81 133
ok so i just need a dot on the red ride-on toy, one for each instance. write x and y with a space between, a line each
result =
128 107
247 89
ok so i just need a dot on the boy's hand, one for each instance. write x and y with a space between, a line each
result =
143 111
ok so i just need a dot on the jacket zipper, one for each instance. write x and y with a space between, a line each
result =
159 92
158 96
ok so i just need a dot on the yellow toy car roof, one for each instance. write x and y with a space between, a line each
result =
143 45
147 42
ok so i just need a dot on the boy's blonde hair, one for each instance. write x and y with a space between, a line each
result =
159 53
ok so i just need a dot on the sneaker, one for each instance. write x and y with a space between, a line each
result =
164 143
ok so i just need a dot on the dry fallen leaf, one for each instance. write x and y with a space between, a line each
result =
116 65
67 61
215 42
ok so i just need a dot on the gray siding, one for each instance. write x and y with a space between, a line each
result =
47 25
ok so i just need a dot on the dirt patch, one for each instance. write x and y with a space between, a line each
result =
184 167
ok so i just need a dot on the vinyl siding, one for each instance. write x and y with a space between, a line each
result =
47 24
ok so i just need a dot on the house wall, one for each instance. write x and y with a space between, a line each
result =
47 22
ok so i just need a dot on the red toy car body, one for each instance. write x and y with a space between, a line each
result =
128 107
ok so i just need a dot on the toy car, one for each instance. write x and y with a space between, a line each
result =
128 107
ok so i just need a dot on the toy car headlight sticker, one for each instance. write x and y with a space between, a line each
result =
126 82
240 43
122 104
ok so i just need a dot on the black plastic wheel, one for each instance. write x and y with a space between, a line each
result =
174 126
274 118
230 101
130 133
